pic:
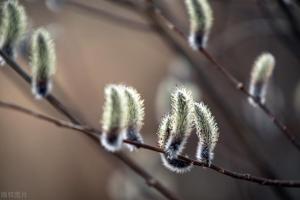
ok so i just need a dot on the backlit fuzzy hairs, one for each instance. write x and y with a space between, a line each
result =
43 61
114 118
164 131
181 121
260 75
135 116
3 24
16 22
173 164
207 131
201 20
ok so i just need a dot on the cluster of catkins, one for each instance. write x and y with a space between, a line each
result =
177 126
13 24
123 116
201 21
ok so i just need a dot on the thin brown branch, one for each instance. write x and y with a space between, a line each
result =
63 110
150 181
112 17
232 79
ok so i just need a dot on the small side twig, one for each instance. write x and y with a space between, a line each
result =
150 180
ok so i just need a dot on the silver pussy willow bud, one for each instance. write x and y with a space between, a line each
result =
173 164
181 121
114 117
15 26
207 131
261 73
201 20
43 62
135 116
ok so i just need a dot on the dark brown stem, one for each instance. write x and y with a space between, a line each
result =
149 179
91 132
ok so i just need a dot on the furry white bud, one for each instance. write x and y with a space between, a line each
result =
207 131
43 62
261 72
15 26
201 20
114 117
135 116
181 121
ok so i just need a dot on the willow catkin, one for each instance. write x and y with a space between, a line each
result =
201 21
135 116
113 118
181 121
261 73
207 131
43 62
15 26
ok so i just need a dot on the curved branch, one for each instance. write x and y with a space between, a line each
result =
95 134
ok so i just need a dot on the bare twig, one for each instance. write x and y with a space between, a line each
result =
63 110
150 181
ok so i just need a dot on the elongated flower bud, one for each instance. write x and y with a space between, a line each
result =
207 131
135 116
15 27
113 119
181 121
43 62
201 20
173 164
261 72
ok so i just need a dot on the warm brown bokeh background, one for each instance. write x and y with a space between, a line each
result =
47 162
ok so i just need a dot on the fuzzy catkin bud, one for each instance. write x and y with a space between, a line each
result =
15 26
201 20
261 72
114 117
207 131
135 116
181 121
173 164
43 62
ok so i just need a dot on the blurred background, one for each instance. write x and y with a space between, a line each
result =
104 41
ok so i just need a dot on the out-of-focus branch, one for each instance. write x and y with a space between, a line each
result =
112 17
150 181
